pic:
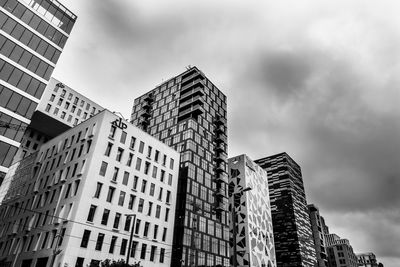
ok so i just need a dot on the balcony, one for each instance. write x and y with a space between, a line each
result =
219 120
220 192
219 148
191 75
192 84
220 206
198 91
196 100
145 114
146 105
220 139
220 129
221 177
220 157
219 168
149 98
195 110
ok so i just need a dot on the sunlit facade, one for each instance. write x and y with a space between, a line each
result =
32 37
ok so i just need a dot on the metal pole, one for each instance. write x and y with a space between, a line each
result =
234 231
130 238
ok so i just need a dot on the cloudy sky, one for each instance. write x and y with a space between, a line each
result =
317 79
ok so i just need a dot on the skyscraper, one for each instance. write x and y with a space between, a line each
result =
188 113
251 224
319 231
33 35
294 244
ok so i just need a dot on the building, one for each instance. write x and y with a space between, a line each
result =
62 108
294 243
340 252
367 259
251 223
319 231
84 191
32 37
188 113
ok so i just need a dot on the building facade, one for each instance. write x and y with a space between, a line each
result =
319 231
340 252
83 192
32 37
62 108
188 113
251 224
294 243
367 259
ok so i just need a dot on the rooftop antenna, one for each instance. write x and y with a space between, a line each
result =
119 114
188 67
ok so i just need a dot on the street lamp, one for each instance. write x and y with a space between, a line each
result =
130 238
240 193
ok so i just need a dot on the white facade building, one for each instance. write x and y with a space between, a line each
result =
74 193
251 224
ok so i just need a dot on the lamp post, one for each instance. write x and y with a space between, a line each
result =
240 193
56 250
130 238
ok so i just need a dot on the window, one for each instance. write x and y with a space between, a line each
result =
164 235
156 156
141 203
120 152
152 252
171 164
138 163
162 253
130 157
133 249
168 196
108 149
143 252
150 207
158 211
166 214
126 178
160 194
162 176
152 189
104 218
127 223
123 138
154 172
79 262
141 147
155 232
146 167
112 244
85 239
164 160
144 183
132 144
103 168
110 194
115 175
98 190
112 131
149 149
135 182
131 201
92 211
146 229
121 199
99 243
137 227
123 246
169 179
116 220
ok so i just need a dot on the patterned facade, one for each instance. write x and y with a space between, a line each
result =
188 113
75 193
32 37
319 231
294 244
251 224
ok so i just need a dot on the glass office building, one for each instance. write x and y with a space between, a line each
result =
32 37
188 113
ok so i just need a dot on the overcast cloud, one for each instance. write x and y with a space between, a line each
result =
317 79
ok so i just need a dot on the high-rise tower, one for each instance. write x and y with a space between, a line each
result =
188 112
294 244
32 37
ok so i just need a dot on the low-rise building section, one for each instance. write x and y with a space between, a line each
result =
319 230
252 237
340 252
367 259
83 192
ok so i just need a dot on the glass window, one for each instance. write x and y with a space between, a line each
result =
103 168
116 220
85 239
104 218
92 211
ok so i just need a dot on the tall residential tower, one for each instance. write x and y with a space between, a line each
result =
32 37
188 113
294 244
